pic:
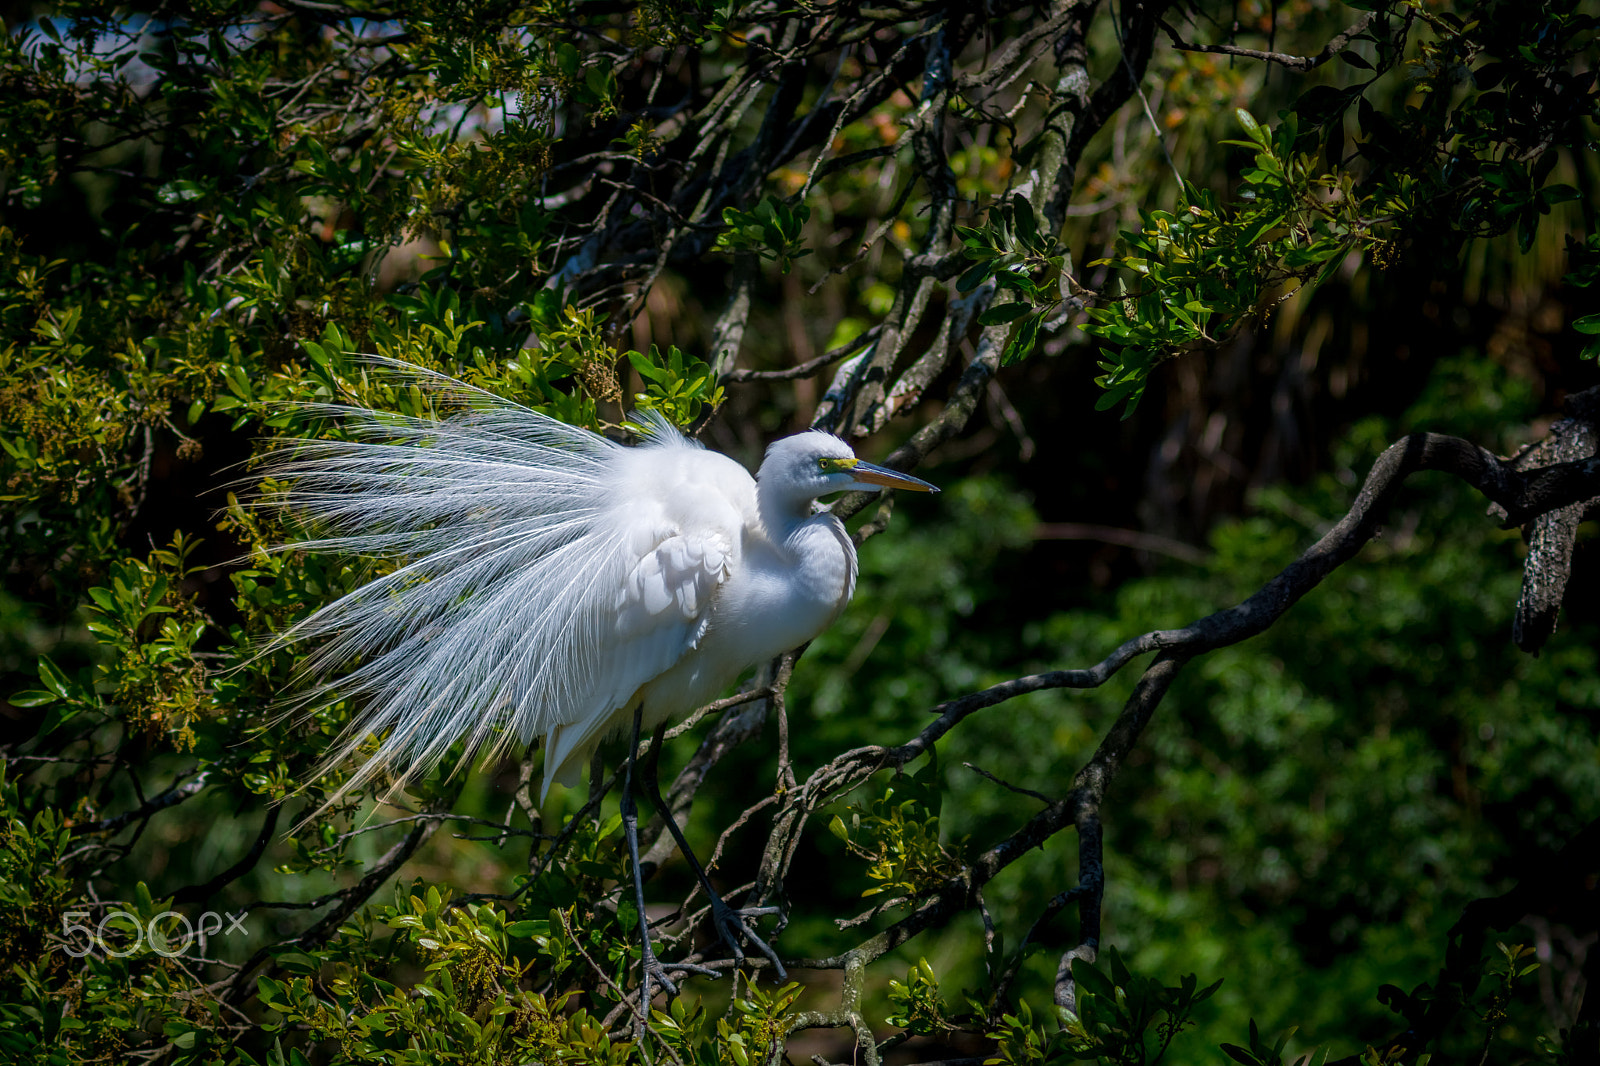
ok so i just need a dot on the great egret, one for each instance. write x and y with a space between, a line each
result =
552 583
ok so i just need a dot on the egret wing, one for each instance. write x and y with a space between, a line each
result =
659 613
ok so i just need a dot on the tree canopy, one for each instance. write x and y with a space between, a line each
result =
1201 705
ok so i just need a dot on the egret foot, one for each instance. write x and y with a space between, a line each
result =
650 966
731 926
653 972
729 922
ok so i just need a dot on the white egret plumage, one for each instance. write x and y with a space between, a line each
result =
553 584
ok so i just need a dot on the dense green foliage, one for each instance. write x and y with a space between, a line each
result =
1006 225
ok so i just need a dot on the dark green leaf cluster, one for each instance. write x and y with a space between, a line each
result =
471 1005
1122 1018
1031 267
772 231
1260 1053
677 385
899 837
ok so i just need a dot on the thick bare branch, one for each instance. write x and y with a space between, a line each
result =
1551 537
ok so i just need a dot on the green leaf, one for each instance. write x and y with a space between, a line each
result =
1027 225
1558 194
1002 313
1112 396
1252 128
1092 980
1255 231
647 367
1239 1054
1022 340
1007 279
974 277
176 192
528 929
53 678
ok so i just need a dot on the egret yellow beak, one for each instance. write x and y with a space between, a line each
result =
869 475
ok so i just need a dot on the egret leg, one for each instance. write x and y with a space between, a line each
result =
650 965
729 921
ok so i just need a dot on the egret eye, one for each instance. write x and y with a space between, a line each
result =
831 465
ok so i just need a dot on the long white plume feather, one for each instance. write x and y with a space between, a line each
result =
511 532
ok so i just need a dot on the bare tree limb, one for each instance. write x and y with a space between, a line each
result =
1495 478
1551 538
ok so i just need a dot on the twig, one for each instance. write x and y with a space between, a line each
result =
1126 538
811 366
1290 62
1018 789
170 798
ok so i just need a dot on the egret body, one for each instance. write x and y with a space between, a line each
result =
553 584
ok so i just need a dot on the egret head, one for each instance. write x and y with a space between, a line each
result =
800 468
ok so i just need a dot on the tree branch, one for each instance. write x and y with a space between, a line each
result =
246 863
170 798
1495 478
1301 64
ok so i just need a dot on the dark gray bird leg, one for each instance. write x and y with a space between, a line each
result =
651 967
729 922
